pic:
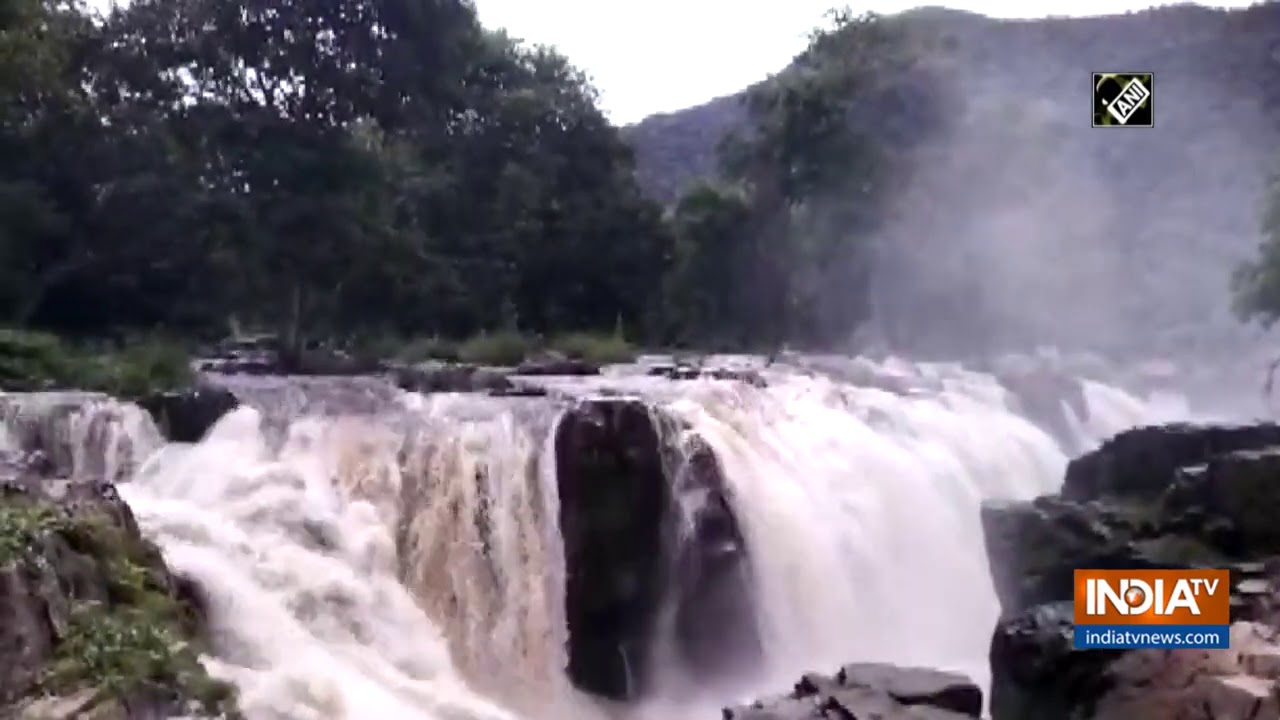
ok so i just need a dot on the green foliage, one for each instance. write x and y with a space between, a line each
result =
20 526
127 652
428 348
40 361
779 250
335 169
36 361
133 645
143 366
1256 283
503 348
594 348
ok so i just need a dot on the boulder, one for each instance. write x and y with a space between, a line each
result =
870 690
630 480
186 415
1036 672
1157 497
95 626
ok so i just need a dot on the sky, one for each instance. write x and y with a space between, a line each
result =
654 56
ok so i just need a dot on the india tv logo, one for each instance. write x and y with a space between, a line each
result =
1188 609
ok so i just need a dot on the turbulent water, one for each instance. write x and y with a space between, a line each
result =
346 578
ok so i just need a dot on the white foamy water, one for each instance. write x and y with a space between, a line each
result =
409 567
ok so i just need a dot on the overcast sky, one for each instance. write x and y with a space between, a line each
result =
655 56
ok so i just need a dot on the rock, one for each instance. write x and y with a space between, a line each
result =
715 616
626 557
436 377
1037 674
1233 499
871 690
86 599
1157 497
694 372
557 366
79 433
1140 463
186 415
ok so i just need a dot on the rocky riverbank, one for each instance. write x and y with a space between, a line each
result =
95 626
1178 496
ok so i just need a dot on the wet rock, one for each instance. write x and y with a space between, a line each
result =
1157 497
78 433
1035 547
871 690
87 599
715 619
1140 463
695 372
626 474
450 377
186 415
614 501
1232 499
1037 674
557 366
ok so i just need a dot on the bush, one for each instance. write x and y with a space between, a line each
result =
428 348
600 349
144 366
32 361
504 348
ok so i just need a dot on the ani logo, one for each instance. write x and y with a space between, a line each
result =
1124 99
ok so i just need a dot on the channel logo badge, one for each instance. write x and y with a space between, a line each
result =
1188 609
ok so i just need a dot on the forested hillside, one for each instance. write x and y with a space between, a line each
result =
1017 222
369 169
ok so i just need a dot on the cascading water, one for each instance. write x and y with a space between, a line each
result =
408 564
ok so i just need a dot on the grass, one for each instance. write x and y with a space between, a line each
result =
132 646
31 361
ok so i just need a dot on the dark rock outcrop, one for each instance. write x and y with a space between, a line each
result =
95 625
450 377
623 480
871 690
564 366
1156 497
1139 464
696 372
186 415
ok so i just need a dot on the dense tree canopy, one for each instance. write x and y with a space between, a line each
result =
366 167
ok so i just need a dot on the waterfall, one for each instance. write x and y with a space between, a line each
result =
404 560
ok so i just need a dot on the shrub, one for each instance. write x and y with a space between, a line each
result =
601 349
428 348
502 348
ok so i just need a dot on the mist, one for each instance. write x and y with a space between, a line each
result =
1023 226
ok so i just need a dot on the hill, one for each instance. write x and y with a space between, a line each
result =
1023 224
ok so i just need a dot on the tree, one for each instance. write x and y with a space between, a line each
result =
1256 283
